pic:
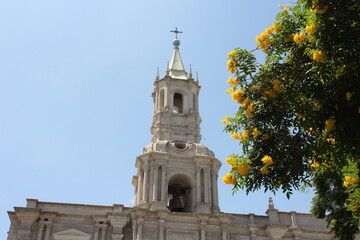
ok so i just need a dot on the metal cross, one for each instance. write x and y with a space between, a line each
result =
176 31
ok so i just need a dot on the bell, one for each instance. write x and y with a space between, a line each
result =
175 204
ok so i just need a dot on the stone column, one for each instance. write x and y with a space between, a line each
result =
48 230
140 222
96 235
225 221
134 228
163 184
198 185
41 229
151 183
207 189
215 189
155 182
203 217
139 188
145 184
103 232
253 228
161 229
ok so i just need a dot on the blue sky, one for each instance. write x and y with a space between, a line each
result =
75 84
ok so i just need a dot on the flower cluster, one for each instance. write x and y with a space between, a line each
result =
226 120
349 181
299 38
237 95
317 56
267 160
229 179
330 124
233 81
243 169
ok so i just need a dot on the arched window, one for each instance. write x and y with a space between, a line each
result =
178 103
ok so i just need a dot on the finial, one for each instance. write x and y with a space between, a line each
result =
271 203
197 78
190 74
157 74
176 31
167 69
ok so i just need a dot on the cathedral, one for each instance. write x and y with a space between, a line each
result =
176 195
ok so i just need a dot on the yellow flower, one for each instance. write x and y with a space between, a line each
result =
256 133
317 56
245 103
231 54
231 70
312 39
331 140
276 26
245 133
237 136
232 81
316 9
315 164
279 5
349 181
299 38
226 120
269 94
311 29
267 160
277 88
231 161
229 179
277 183
264 170
287 4
330 124
237 95
285 10
230 90
243 169
249 110
348 95
269 31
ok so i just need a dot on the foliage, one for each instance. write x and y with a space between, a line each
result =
299 114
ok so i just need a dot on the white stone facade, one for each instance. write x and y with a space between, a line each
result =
176 195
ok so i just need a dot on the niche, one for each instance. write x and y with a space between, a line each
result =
178 103
179 194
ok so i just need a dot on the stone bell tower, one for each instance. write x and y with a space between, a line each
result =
176 172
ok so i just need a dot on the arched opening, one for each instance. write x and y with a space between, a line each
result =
178 103
179 194
162 99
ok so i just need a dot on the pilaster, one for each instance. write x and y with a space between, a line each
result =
118 222
27 217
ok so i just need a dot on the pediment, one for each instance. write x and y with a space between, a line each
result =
72 234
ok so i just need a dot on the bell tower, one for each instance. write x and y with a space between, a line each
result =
176 172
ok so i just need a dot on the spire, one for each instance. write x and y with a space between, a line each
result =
157 74
190 74
176 66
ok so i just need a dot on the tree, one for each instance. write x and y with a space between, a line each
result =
299 114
